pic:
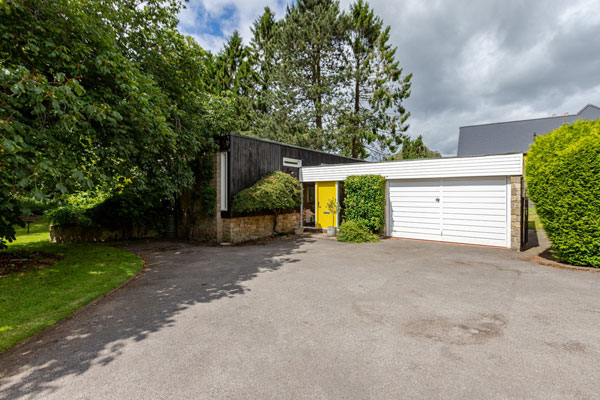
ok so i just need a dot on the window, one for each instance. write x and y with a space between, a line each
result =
292 162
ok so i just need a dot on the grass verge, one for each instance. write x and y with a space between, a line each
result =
36 298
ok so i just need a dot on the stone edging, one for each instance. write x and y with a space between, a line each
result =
554 264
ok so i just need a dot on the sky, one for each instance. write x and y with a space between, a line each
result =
473 62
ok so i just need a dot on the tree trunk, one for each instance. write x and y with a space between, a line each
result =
318 108
356 108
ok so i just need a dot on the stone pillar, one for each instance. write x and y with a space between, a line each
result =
516 199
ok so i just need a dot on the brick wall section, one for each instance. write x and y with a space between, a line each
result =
241 229
516 195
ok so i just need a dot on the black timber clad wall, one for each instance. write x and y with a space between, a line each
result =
250 159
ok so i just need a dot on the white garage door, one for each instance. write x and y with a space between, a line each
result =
462 210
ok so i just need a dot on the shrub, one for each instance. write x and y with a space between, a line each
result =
123 210
365 200
563 180
128 210
355 232
274 193
76 210
70 215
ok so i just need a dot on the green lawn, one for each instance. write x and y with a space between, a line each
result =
35 299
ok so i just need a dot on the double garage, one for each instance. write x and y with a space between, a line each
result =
474 200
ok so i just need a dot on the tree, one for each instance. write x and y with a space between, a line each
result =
413 149
375 112
263 31
99 94
233 75
308 50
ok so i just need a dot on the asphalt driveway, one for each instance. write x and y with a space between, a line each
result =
326 320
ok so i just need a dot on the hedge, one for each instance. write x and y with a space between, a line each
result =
275 193
365 201
355 232
563 181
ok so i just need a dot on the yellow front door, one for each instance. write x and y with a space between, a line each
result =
325 192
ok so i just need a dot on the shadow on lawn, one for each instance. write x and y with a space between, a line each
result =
179 276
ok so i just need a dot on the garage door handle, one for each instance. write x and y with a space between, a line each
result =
437 199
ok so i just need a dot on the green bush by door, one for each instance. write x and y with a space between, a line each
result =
364 208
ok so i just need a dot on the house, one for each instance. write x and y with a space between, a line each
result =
514 136
474 200
239 163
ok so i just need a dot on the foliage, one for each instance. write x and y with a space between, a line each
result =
70 215
127 210
355 232
112 88
413 149
32 206
116 211
307 75
37 298
563 180
10 214
326 79
276 192
374 115
365 200
233 74
261 48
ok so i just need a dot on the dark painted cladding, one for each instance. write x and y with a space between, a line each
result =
514 136
250 159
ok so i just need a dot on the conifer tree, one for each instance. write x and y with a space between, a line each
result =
375 115
261 46
308 51
233 75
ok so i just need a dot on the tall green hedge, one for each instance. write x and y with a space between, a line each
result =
365 200
276 192
563 180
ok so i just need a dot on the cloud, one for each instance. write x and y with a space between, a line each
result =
210 22
473 62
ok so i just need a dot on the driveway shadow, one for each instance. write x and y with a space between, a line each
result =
179 276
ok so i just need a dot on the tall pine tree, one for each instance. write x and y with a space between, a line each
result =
375 114
308 50
261 46
233 75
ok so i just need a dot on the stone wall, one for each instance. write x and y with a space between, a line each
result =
75 234
241 229
516 218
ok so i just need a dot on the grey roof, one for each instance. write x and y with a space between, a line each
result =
514 136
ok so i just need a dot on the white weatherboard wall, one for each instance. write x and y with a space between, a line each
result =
503 165
461 200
